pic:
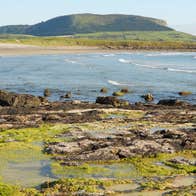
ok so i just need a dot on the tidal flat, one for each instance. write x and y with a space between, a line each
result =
81 148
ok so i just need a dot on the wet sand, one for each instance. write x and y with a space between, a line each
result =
18 49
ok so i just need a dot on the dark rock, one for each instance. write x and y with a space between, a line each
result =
172 102
172 134
47 92
68 95
71 163
112 101
14 99
139 104
124 90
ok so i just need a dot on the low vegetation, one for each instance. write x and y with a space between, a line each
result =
140 36
142 43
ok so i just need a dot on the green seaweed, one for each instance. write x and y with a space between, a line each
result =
73 185
146 166
43 133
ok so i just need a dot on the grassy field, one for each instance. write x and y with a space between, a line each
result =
132 40
140 36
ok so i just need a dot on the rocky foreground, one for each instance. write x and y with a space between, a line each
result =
159 140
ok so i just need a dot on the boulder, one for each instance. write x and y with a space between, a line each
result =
14 99
185 93
172 102
124 90
112 101
182 161
104 90
68 95
118 94
148 97
47 92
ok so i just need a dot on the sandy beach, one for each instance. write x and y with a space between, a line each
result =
19 49
7 49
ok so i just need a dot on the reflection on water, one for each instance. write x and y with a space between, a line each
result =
28 173
110 171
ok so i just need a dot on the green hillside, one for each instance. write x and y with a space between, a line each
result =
88 23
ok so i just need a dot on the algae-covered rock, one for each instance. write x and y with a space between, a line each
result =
185 93
118 94
148 97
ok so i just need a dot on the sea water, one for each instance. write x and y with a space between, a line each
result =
163 74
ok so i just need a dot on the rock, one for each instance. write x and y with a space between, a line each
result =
183 161
112 101
63 148
51 117
68 95
124 90
185 93
148 97
189 142
43 99
172 102
125 153
150 147
14 99
86 147
47 92
71 163
139 104
108 153
172 134
76 102
118 94
104 90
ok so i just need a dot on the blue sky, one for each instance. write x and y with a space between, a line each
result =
176 12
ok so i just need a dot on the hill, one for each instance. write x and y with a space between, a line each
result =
88 23
14 29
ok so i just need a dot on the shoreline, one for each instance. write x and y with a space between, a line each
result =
19 49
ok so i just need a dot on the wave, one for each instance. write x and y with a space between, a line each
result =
115 83
124 61
70 61
166 68
108 55
169 54
148 66
181 70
